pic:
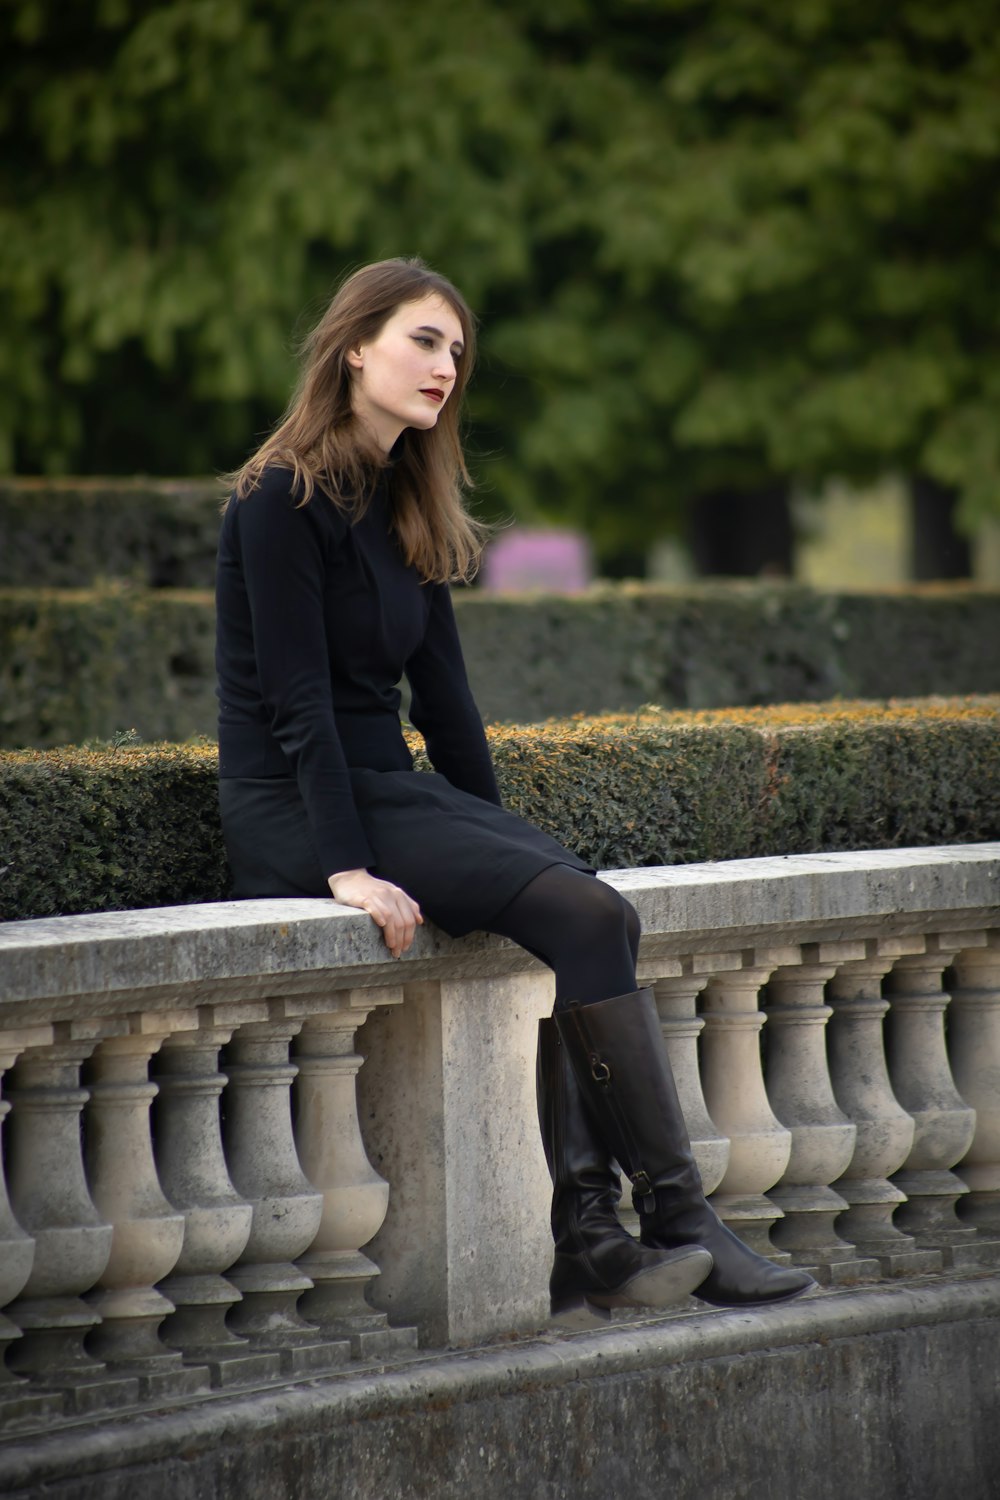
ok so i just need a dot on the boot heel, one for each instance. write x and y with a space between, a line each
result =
660 1286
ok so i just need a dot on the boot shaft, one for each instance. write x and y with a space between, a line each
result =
620 1062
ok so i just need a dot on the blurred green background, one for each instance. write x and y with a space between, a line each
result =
735 262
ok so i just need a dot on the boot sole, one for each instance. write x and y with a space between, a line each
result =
801 1291
657 1287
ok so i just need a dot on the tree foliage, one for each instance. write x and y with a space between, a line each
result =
713 242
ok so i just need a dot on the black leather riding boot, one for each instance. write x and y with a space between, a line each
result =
618 1056
597 1265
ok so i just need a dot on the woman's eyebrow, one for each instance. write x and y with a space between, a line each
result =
429 328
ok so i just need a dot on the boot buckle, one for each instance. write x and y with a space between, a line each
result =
642 1186
599 1070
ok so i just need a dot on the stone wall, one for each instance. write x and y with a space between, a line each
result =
202 1301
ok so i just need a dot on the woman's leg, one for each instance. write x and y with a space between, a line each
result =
617 1054
612 1040
590 937
583 929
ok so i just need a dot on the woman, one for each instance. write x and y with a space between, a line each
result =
337 547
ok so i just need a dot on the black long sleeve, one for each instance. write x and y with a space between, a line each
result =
282 554
442 706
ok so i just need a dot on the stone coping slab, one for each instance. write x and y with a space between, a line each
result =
113 962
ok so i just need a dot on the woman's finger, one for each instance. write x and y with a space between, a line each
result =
393 930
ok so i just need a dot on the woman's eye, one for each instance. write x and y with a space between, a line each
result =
423 340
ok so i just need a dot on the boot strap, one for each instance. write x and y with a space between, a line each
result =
601 1073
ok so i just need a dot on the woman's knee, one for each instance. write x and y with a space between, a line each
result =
606 915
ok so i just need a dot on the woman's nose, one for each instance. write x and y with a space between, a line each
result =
444 367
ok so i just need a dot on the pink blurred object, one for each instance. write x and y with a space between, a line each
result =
556 562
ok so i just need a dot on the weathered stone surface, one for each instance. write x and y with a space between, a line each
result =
886 1393
123 961
447 1109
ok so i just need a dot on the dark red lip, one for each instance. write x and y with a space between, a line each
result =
434 393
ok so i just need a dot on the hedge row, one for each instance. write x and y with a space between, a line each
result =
112 828
70 533
77 665
82 665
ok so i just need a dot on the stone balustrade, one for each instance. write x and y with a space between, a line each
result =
243 1145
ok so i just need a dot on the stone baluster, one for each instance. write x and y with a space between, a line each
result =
676 1003
52 1202
759 1145
265 1170
17 1249
974 1047
192 1167
17 1252
801 1095
862 1089
333 1157
944 1124
148 1231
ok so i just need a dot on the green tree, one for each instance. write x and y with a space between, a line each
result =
719 246
791 217
185 181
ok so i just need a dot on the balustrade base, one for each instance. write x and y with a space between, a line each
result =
190 1380
90 1397
910 1263
988 1249
311 1359
383 1343
226 1371
969 1256
946 1239
855 1271
23 1405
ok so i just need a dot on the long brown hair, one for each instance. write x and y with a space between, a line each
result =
321 440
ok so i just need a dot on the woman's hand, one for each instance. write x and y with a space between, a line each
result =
393 910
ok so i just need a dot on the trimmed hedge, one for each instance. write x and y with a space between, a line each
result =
77 665
71 533
112 828
718 644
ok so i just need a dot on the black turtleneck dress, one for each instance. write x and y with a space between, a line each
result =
318 619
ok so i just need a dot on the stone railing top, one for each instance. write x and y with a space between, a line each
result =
115 962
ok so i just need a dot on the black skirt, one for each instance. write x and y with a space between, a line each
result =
460 858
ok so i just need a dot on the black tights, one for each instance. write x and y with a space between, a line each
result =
581 928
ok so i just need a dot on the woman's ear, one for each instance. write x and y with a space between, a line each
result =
355 358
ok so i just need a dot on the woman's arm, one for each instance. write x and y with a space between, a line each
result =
442 706
283 557
283 554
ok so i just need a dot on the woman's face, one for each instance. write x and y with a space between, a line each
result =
405 374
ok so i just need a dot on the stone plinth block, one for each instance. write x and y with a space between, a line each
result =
447 1111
